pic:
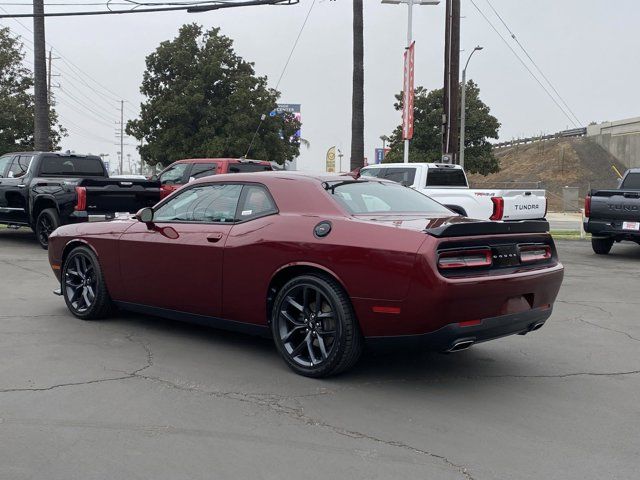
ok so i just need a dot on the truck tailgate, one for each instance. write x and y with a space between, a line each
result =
115 195
615 205
524 204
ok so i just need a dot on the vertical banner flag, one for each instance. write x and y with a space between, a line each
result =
407 93
331 160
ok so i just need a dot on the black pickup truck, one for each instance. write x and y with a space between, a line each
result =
614 215
44 190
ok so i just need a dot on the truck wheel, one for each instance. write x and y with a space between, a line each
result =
601 246
47 222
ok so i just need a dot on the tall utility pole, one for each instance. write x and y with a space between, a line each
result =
141 160
121 134
50 75
451 80
357 101
49 78
41 114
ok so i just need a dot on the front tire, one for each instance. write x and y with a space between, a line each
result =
83 286
601 246
314 327
48 220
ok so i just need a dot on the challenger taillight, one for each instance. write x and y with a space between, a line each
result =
464 259
81 202
534 253
587 206
498 208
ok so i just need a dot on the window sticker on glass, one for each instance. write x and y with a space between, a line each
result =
246 212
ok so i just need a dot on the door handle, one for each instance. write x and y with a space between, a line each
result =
214 237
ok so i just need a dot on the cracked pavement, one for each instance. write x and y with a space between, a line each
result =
139 397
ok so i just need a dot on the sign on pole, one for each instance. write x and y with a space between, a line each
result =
381 153
407 93
291 108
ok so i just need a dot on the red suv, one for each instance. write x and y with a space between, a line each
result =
184 171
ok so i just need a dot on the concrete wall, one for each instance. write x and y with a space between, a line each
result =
620 138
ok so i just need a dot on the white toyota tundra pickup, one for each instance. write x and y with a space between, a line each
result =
448 185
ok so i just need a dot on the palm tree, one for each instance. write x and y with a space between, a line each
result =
357 103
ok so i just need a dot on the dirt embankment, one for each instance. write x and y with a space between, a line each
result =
553 165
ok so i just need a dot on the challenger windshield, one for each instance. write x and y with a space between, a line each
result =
360 197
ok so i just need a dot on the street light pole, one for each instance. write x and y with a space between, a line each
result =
410 4
463 104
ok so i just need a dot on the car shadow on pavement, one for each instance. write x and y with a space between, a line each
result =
375 365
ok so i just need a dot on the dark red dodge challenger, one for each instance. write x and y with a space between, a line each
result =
320 263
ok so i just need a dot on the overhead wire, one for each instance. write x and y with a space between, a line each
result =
533 62
524 64
152 8
284 69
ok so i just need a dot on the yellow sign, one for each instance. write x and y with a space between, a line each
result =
331 160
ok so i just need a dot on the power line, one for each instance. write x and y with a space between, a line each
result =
190 8
284 69
524 64
513 35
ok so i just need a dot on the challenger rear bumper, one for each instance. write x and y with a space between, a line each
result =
447 337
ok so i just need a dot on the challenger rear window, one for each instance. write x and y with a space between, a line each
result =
363 197
631 182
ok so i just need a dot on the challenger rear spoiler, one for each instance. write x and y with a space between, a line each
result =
472 228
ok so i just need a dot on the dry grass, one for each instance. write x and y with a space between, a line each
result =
573 162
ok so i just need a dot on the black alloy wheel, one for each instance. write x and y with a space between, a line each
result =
314 327
47 221
83 285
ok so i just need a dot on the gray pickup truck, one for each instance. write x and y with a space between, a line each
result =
614 215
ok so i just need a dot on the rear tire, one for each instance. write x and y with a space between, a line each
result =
601 246
83 286
314 327
48 220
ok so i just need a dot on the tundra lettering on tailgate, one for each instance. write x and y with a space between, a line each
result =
527 207
628 208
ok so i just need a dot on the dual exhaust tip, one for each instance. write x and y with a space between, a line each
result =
460 345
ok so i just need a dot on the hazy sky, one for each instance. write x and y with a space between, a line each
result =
589 49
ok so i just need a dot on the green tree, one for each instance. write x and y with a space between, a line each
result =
426 145
203 100
16 100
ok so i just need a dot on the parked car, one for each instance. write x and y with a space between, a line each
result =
44 190
319 262
448 185
184 171
614 215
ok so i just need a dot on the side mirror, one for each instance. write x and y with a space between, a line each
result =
191 179
145 215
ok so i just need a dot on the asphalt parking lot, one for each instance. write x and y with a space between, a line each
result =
137 397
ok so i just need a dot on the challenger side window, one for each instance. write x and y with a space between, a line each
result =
202 204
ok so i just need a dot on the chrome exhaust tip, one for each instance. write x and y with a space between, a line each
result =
536 326
460 345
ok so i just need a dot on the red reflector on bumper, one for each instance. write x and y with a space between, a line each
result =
469 323
391 310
